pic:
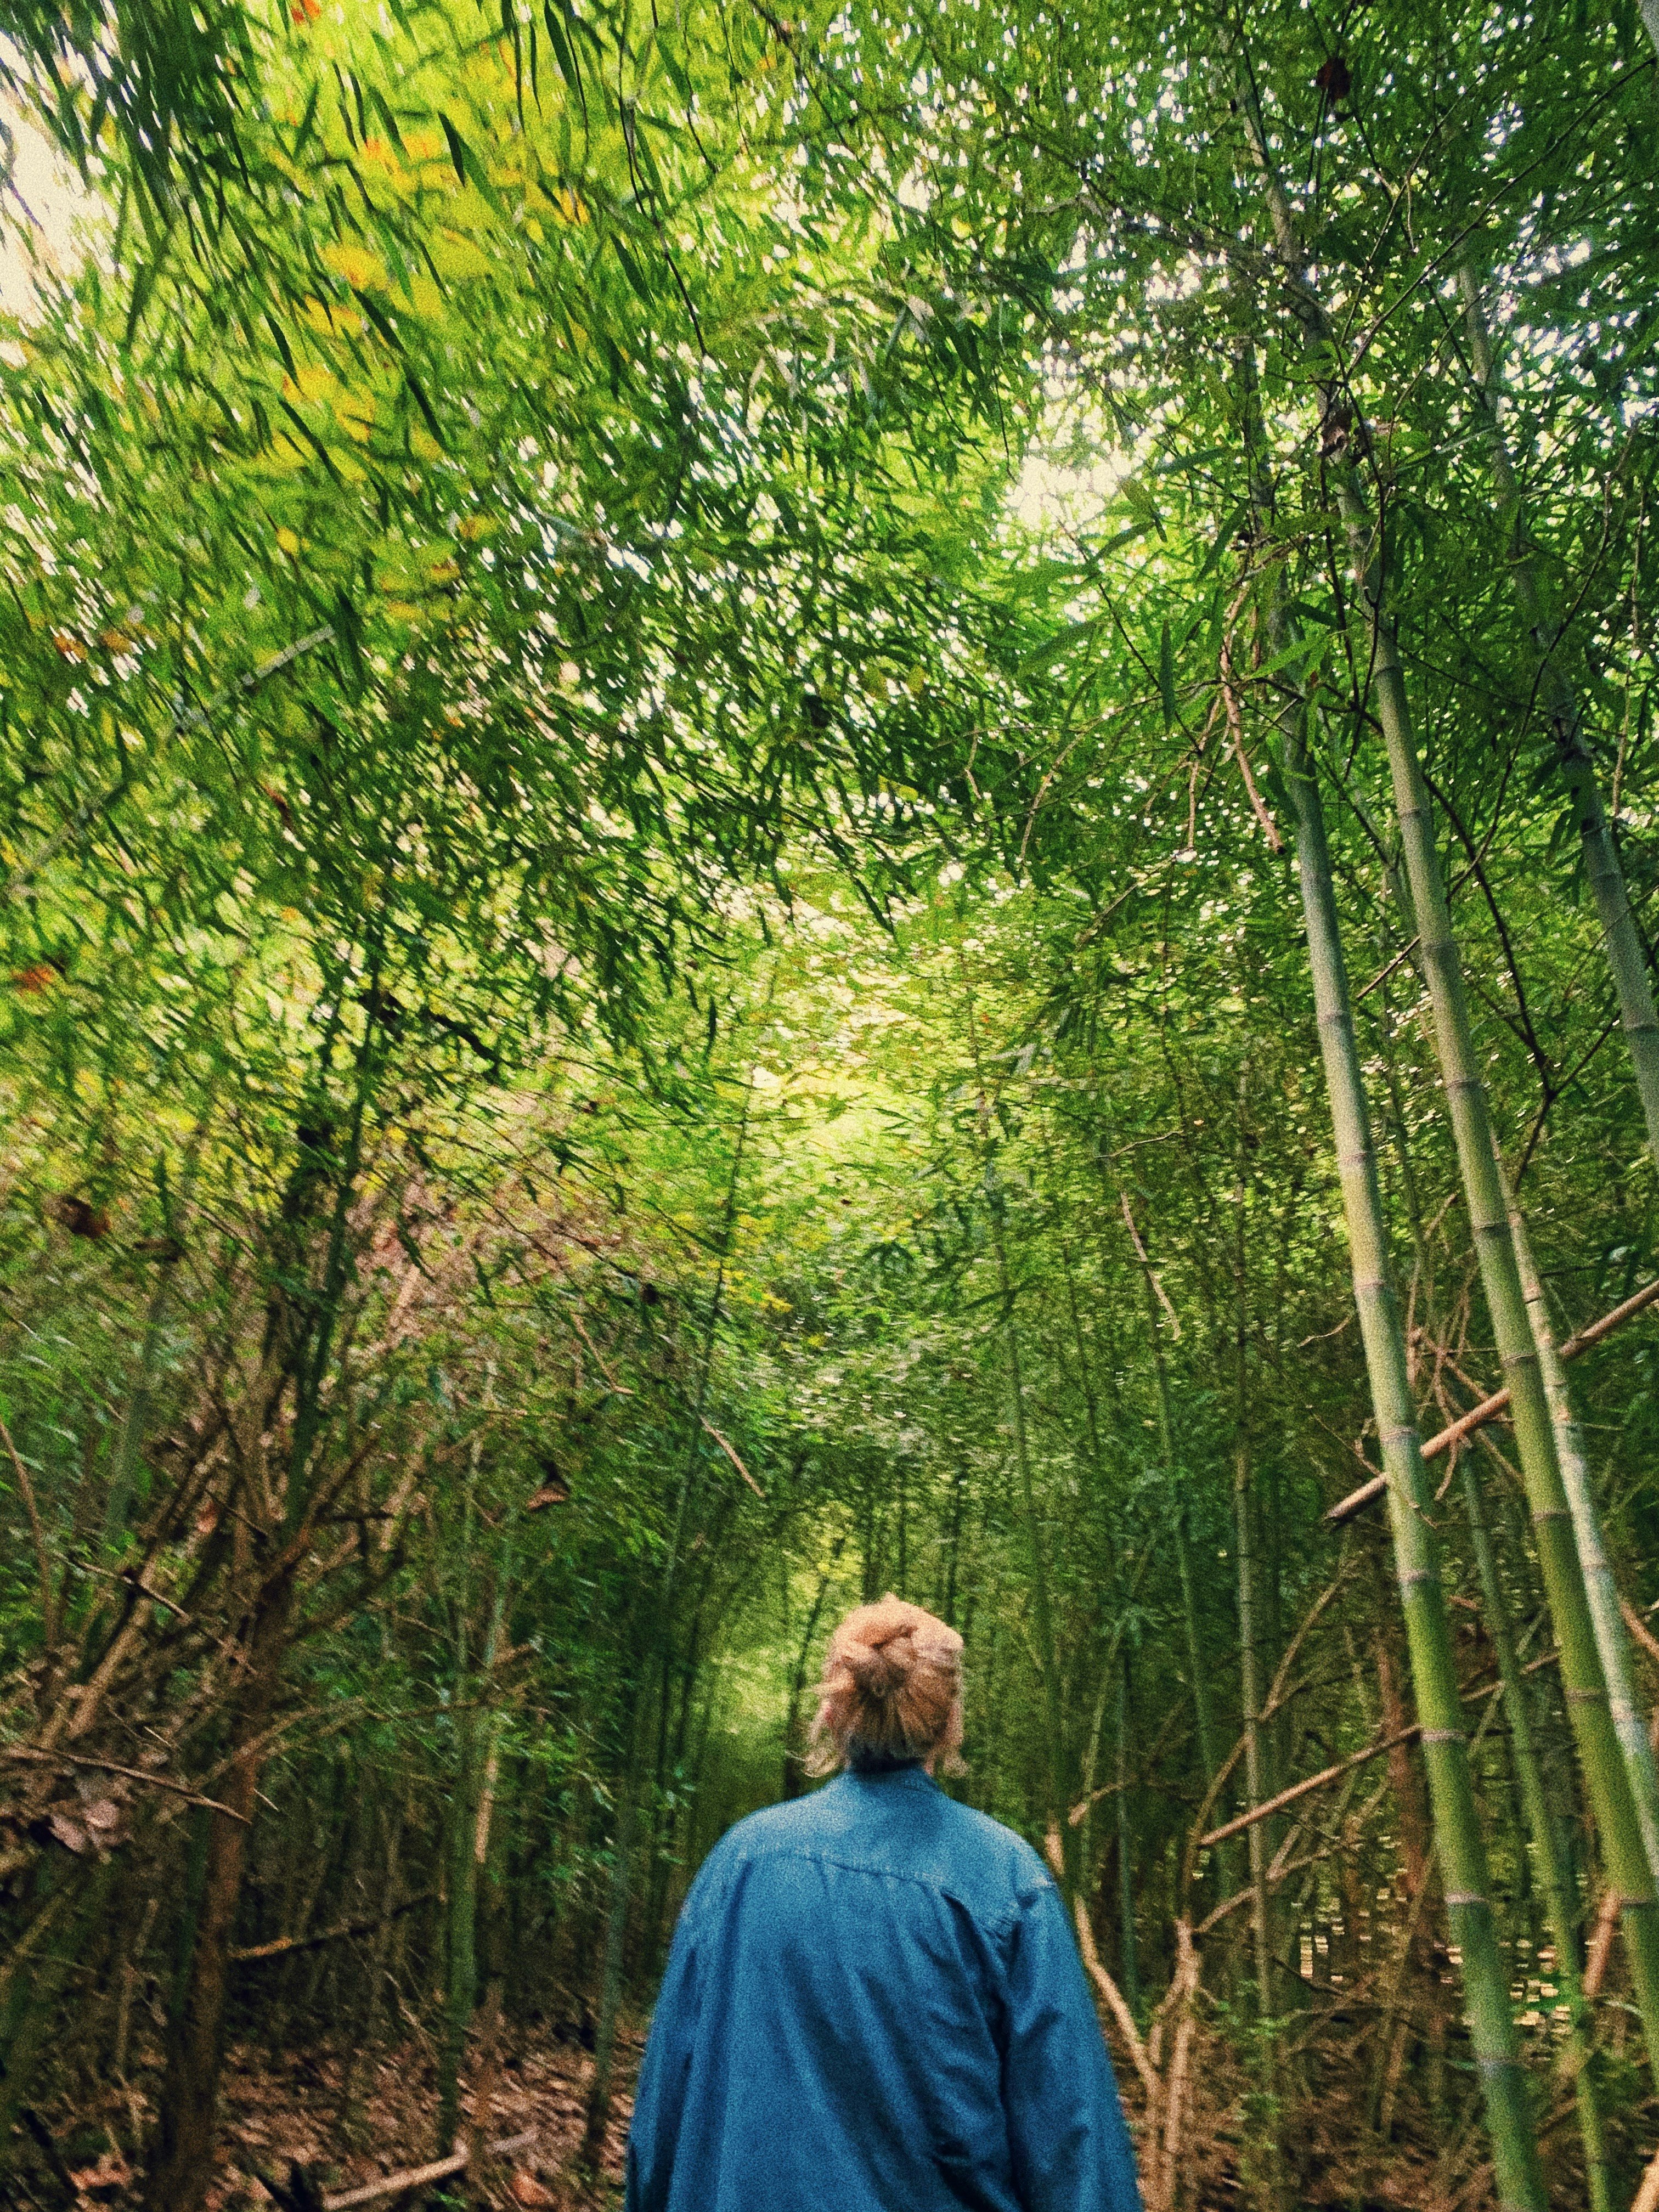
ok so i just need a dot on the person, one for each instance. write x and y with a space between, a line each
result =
874 2002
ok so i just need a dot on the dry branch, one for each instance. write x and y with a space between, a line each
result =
1272 1805
1489 1408
735 1461
416 2177
285 1945
109 1767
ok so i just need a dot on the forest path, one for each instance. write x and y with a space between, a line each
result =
279 2112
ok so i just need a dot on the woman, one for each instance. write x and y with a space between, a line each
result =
873 2002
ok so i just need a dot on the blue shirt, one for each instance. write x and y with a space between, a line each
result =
874 2003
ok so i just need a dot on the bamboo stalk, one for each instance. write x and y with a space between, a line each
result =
37 1537
1457 1821
1458 1840
1203 1703
1041 1604
1545 1852
1601 1586
1583 1681
1586 1687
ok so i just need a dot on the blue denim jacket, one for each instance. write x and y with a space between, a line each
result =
874 2003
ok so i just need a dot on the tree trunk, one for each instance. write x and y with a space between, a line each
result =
181 2163
615 1934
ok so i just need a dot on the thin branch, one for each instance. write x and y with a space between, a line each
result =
732 1455
1145 1257
1489 1408
1272 1805
285 1945
109 1767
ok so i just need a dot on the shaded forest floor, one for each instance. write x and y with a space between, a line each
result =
288 2108
284 2108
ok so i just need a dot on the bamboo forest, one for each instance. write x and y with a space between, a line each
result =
800 800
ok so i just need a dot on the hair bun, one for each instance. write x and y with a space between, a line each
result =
876 1668
891 1685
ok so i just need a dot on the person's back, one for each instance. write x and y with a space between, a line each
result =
874 2004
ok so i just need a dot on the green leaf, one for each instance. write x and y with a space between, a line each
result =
1064 641
465 167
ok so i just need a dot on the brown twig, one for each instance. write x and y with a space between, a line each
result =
1116 2003
735 1461
1145 1258
1489 1408
419 2177
109 1767
1600 1944
1272 1805
285 1945
1236 726
1639 1629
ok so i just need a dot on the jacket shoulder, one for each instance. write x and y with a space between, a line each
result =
943 1844
1011 1855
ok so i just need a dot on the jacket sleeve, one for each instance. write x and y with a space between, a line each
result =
659 2098
1070 2147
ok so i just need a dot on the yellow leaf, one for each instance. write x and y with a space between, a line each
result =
422 444
474 526
363 270
307 384
571 206
426 298
288 542
458 258
329 322
355 413
445 571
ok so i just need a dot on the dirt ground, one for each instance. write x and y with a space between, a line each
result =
278 2111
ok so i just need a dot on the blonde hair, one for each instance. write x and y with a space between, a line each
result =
891 1690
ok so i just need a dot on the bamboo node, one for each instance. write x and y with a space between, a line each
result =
1468 1899
1443 1735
